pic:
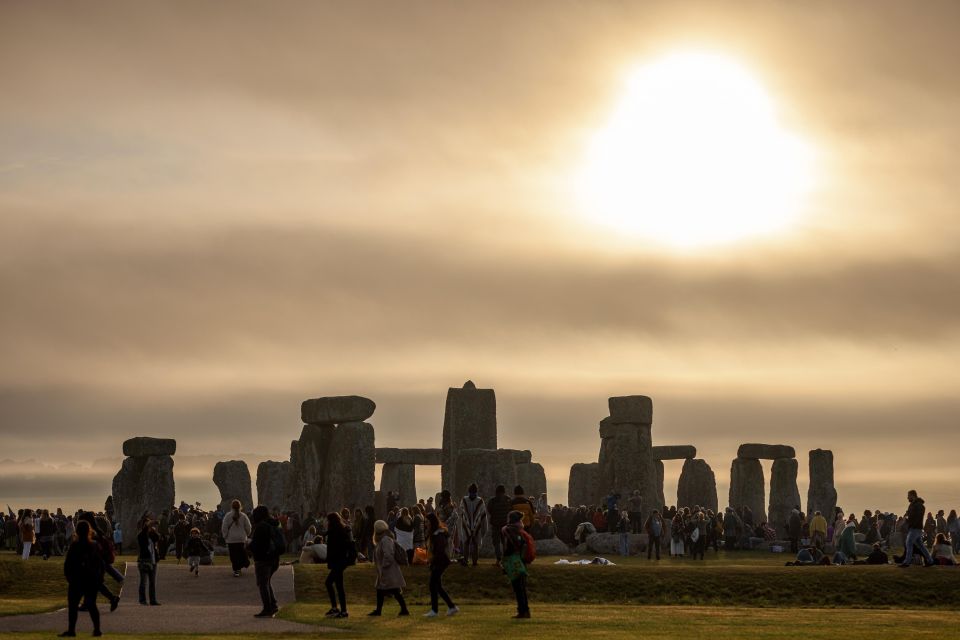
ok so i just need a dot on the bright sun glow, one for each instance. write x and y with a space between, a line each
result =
694 155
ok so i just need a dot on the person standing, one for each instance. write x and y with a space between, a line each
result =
498 509
473 524
387 557
623 528
267 544
635 509
83 569
147 541
794 525
236 528
915 512
181 531
403 529
654 528
438 542
613 517
341 553
27 533
514 547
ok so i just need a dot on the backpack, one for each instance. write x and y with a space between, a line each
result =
107 550
529 547
399 554
278 543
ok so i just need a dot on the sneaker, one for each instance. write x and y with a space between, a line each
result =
114 603
264 614
452 611
332 613
525 614
430 614
374 613
236 574
343 614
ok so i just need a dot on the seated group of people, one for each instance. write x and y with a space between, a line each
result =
942 552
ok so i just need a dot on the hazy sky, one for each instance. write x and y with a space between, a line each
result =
210 212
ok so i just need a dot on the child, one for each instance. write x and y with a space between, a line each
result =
196 547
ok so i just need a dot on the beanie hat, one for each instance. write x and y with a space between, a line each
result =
380 527
514 517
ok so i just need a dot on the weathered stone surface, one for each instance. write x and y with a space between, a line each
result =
409 456
469 422
273 479
401 478
521 456
308 469
626 463
747 487
582 487
658 491
336 409
143 446
351 468
674 452
822 494
608 544
765 451
631 410
486 467
233 480
863 550
784 494
531 477
143 484
697 485
552 547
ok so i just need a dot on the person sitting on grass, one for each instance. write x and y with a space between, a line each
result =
388 556
196 548
877 556
942 551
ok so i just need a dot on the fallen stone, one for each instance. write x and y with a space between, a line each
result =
142 446
143 485
609 543
822 494
552 547
784 494
336 409
697 485
631 409
674 452
409 456
233 480
766 451
272 481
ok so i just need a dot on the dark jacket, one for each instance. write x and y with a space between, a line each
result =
197 547
143 543
498 508
915 513
438 549
83 565
340 548
261 540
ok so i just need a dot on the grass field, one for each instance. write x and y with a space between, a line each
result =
740 595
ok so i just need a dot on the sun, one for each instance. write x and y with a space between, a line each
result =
694 155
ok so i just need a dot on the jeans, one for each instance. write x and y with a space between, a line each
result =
436 588
264 570
88 594
396 593
913 537
497 538
520 590
148 575
335 579
636 521
624 544
654 544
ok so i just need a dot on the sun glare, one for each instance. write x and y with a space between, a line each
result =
694 155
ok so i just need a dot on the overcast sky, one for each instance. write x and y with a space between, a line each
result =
208 214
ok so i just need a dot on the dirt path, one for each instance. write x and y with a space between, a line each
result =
213 602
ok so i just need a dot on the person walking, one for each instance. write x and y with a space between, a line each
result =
195 550
472 523
181 532
514 546
388 556
27 533
341 553
915 512
267 544
438 542
654 528
497 511
83 569
147 541
236 528
108 553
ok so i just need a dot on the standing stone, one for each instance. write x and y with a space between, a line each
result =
660 498
143 485
697 485
309 469
233 480
337 410
531 477
486 467
626 461
747 487
350 469
273 479
401 478
582 487
784 494
822 494
469 422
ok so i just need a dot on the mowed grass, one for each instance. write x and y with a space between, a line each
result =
34 586
740 580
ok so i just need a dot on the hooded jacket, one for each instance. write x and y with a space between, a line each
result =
915 513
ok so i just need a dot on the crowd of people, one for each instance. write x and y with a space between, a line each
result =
438 535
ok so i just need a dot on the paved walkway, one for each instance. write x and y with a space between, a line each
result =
213 602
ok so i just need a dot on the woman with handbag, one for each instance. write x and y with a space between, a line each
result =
388 556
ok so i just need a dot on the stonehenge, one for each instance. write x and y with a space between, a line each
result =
486 467
144 483
582 489
747 487
400 478
784 494
674 452
469 422
765 451
531 477
336 410
273 479
697 485
233 480
822 494
409 456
